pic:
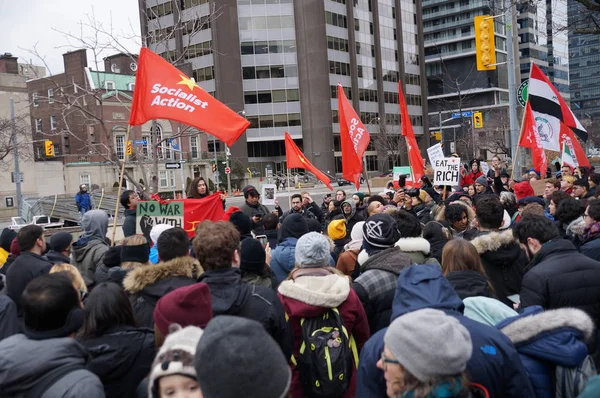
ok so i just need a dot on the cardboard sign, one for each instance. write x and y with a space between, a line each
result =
151 213
538 187
446 171
484 168
435 153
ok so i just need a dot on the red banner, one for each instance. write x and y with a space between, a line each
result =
415 159
163 92
354 139
530 138
296 159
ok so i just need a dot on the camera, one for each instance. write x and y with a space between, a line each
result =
413 193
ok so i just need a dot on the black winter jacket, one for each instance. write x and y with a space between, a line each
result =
121 358
232 296
469 284
25 268
503 260
57 257
146 285
591 248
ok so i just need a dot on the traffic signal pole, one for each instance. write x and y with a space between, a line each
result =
512 85
16 156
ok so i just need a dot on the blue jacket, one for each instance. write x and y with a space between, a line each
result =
83 201
283 258
545 339
494 364
591 248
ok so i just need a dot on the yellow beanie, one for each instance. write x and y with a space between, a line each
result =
337 229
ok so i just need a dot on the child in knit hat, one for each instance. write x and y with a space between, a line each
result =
173 372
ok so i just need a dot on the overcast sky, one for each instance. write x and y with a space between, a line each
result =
36 23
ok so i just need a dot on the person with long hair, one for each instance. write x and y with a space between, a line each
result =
198 189
122 353
461 265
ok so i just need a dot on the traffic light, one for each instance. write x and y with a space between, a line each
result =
49 146
129 148
214 167
485 47
436 135
477 120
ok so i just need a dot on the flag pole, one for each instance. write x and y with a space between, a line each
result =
366 173
288 188
519 146
114 228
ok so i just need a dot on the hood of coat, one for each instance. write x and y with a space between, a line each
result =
119 350
23 361
352 205
418 244
140 278
94 223
391 260
315 291
576 227
82 247
229 293
424 286
558 336
499 248
468 283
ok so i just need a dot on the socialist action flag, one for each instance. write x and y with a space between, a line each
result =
530 138
163 92
415 159
354 139
296 160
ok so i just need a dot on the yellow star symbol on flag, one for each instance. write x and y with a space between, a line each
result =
186 81
302 159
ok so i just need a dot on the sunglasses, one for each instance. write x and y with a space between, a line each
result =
385 360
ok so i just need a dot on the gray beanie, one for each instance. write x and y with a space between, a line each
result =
429 343
236 357
482 180
312 250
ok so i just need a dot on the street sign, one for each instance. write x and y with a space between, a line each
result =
522 92
227 170
141 142
457 115
14 178
171 166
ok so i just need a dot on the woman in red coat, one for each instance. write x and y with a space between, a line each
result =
311 290
475 173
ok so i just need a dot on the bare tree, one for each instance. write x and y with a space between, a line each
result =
389 141
7 143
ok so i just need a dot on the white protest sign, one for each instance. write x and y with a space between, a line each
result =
435 153
446 171
484 168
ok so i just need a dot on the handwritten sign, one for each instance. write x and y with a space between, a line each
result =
446 171
152 213
435 153
484 167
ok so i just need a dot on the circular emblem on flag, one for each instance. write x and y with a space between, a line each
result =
544 129
522 92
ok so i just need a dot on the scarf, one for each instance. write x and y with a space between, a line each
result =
443 390
592 232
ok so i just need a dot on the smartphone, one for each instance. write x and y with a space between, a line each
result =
263 240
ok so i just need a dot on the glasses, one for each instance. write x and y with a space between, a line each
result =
587 215
385 360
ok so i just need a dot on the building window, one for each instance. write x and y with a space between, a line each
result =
34 99
131 86
50 96
145 146
194 146
109 85
38 125
162 179
53 122
84 179
171 175
156 138
120 146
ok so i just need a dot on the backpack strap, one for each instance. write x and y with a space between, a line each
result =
50 378
354 349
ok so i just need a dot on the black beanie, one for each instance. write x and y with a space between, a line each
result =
293 226
253 256
60 241
112 258
314 225
380 231
241 222
377 198
6 238
135 253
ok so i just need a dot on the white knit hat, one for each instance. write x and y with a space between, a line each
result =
157 230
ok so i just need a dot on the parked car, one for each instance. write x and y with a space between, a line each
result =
340 181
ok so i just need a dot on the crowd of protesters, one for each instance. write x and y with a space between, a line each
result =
482 290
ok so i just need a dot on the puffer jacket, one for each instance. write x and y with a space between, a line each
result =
591 248
418 249
494 363
146 285
545 339
283 258
121 358
311 296
377 283
503 260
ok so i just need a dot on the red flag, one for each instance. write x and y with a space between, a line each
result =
354 139
415 159
163 92
582 158
198 210
530 138
296 159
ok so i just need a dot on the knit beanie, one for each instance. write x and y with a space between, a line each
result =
250 190
253 256
60 241
314 225
357 231
241 222
312 250
112 257
293 226
432 192
157 230
429 344
187 306
360 195
135 253
175 357
381 231
6 238
337 229
482 180
236 357
523 189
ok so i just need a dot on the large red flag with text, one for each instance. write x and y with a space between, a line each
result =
530 138
296 159
163 92
417 163
354 139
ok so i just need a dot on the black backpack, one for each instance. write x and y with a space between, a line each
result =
325 360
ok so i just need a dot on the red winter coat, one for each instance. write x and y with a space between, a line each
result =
311 296
470 178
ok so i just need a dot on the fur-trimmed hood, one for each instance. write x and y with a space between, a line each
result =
140 278
493 241
321 291
417 244
576 228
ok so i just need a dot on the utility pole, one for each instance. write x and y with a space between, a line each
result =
227 154
183 196
512 85
15 155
